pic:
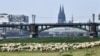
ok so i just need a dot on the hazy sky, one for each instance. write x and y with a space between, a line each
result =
47 10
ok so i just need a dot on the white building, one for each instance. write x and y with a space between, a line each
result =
12 19
8 18
4 18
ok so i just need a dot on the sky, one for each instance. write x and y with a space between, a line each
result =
46 11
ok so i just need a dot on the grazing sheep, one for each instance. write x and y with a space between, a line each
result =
13 47
4 49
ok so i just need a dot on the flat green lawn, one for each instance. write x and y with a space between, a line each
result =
83 52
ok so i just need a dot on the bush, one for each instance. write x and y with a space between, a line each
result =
87 54
67 55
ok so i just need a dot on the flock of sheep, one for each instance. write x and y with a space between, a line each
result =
14 47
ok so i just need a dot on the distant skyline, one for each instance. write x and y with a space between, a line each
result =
46 11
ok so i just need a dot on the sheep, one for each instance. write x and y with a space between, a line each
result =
4 48
32 48
65 47
20 47
16 49
43 49
26 47
53 49
12 47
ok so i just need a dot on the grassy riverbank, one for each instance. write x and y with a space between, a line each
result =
50 39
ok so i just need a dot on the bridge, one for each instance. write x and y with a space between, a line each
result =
34 29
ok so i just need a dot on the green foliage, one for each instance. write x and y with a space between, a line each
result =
50 39
67 55
87 54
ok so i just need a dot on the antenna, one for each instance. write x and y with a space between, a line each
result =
72 18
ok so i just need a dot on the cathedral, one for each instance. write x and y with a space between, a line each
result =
61 15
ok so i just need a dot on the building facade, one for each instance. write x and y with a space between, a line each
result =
8 18
12 19
17 19
4 18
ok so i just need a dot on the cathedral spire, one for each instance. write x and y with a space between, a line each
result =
63 10
60 9
61 15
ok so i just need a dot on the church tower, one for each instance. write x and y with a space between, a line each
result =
61 15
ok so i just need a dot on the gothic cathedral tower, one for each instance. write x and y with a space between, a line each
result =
61 15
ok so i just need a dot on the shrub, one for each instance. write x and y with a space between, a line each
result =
67 55
87 54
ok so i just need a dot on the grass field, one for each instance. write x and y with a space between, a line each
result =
50 39
83 52
95 51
